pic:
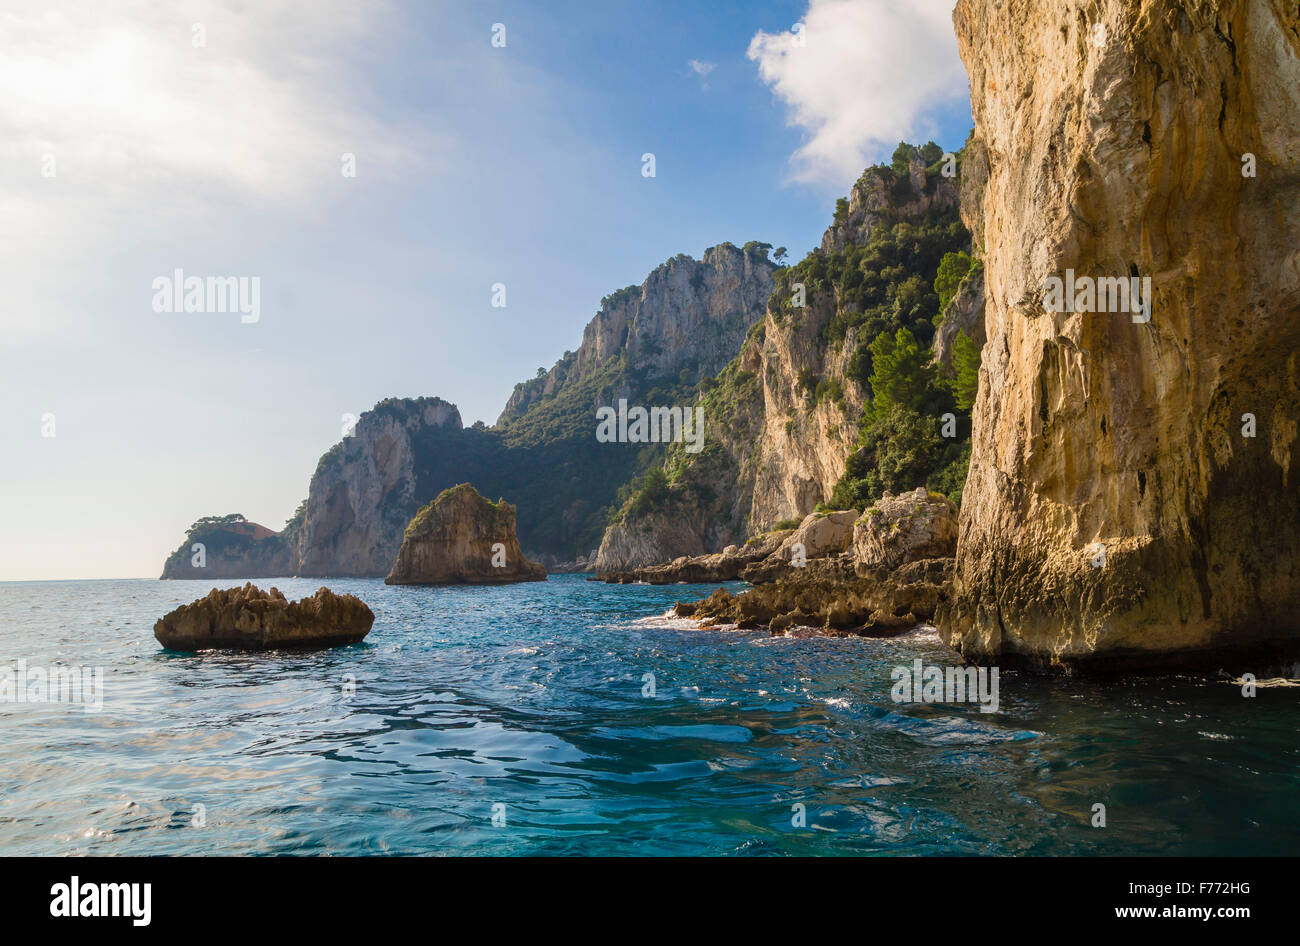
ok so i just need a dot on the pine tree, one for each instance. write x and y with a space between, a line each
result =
900 372
966 362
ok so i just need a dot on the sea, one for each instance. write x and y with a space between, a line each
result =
571 717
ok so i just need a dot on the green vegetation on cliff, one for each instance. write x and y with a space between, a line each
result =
885 293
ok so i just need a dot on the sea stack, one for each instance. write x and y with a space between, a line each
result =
463 539
249 618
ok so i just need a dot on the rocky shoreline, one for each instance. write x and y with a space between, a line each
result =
877 574
833 596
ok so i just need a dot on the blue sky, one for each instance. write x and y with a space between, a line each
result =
475 165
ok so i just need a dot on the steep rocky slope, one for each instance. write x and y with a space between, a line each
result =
684 323
650 345
785 415
1135 138
366 489
232 547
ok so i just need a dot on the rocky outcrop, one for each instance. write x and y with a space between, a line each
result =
727 565
367 488
232 547
462 539
907 528
835 596
965 313
248 618
685 322
820 535
879 575
784 417
639 542
1130 502
879 198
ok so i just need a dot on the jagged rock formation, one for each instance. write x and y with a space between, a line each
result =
907 528
366 489
462 539
684 323
726 565
833 595
782 419
233 547
1135 138
248 618
650 344
879 575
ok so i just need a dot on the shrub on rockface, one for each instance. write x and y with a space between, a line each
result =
900 449
952 270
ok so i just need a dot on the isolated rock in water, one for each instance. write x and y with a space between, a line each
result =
906 528
462 538
1153 139
248 618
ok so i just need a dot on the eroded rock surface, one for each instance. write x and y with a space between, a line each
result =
835 596
462 538
1149 138
906 528
248 618
726 565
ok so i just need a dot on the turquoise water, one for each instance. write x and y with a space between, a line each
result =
530 697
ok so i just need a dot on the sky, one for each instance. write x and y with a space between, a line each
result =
491 143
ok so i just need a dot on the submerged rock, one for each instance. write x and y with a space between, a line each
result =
248 618
462 539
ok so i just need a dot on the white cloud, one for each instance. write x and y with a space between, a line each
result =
147 131
119 92
867 74
702 70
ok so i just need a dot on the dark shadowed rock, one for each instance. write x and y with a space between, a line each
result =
462 538
248 618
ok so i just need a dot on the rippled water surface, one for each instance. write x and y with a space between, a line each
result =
530 697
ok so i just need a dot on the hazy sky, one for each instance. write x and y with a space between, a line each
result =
141 138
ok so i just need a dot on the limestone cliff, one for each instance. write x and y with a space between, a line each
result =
367 488
232 547
684 323
1146 138
462 538
784 417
